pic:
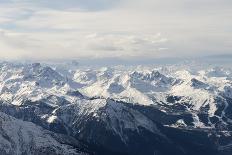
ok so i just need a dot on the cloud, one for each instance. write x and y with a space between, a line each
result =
85 5
109 28
79 45
7 50
121 45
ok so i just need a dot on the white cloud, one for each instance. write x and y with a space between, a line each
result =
40 30
7 50
121 45
49 45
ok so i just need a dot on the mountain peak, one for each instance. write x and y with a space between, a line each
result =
197 83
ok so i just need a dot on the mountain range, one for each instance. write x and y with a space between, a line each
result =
121 110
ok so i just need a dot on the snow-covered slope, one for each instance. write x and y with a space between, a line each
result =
25 138
149 87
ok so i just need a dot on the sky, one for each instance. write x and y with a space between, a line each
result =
120 29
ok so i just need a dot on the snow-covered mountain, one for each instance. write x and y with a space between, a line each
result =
116 110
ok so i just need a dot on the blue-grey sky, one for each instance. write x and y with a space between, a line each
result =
125 29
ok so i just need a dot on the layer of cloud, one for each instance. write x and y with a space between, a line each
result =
108 28
64 45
